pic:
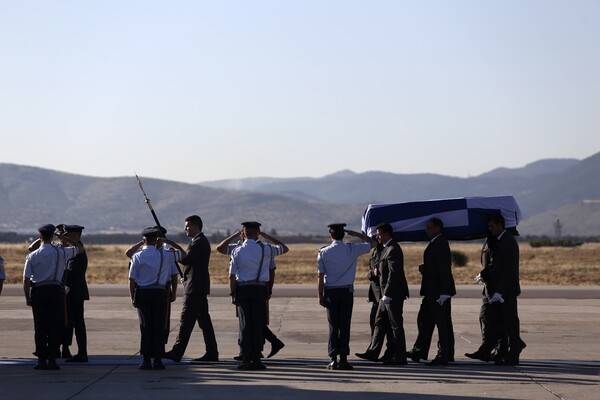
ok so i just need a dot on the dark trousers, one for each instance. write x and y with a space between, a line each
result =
503 320
340 302
252 308
430 315
389 319
389 342
75 324
47 304
195 309
152 309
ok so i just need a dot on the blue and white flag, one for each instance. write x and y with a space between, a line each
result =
464 218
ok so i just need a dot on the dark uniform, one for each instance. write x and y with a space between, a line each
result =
43 272
151 271
77 293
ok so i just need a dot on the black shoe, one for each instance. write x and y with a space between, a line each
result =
158 365
208 357
345 365
275 347
507 361
41 365
145 365
77 358
479 355
415 356
169 355
366 356
66 353
52 365
245 365
239 357
332 365
438 361
257 365
395 361
387 355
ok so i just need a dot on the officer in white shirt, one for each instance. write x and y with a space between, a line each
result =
337 270
249 277
153 271
42 284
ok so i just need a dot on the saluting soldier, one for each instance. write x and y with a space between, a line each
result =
226 247
42 284
152 269
337 270
76 290
249 277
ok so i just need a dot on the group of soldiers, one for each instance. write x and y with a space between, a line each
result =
54 281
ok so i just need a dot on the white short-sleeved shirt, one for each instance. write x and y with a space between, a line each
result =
338 262
245 260
146 264
48 263
230 247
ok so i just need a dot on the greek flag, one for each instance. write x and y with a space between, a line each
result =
464 218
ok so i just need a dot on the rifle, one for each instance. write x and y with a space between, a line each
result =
158 225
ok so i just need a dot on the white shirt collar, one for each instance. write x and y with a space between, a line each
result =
437 236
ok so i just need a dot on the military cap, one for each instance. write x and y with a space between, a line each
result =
251 224
72 228
48 228
336 226
162 230
151 232
60 228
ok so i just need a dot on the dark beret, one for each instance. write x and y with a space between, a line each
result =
251 224
151 232
48 228
72 228
336 226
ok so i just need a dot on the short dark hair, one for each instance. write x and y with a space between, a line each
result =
194 220
437 222
46 236
498 219
337 234
386 228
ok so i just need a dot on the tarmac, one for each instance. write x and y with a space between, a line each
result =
559 324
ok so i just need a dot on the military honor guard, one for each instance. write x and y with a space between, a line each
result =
152 271
249 277
76 293
337 270
42 285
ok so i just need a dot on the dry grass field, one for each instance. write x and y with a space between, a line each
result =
539 266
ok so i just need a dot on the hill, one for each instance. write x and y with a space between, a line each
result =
545 190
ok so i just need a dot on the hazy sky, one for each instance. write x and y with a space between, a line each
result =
198 90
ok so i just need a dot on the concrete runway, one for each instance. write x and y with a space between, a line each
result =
559 324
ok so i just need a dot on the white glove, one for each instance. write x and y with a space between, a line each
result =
496 297
442 299
478 279
384 300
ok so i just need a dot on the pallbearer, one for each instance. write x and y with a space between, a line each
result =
152 269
